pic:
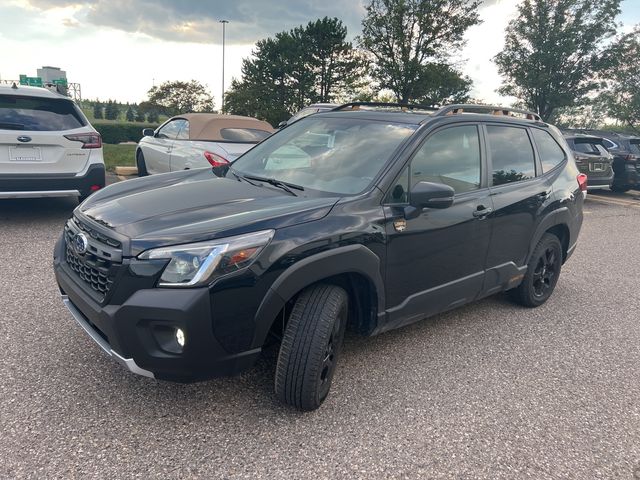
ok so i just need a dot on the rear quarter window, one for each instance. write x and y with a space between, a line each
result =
39 114
551 154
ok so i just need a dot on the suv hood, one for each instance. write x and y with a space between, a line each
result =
195 205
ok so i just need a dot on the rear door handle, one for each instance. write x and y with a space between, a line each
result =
482 212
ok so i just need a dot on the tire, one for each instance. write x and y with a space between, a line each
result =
542 274
619 189
311 346
142 166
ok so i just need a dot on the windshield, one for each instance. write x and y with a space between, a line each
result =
38 114
336 155
635 146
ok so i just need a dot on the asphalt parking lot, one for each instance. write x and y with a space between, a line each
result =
490 391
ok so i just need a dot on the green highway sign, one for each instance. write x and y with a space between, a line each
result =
30 81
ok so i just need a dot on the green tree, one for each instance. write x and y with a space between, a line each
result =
130 115
442 84
153 117
140 116
333 65
553 52
173 98
406 38
621 96
312 63
111 110
97 111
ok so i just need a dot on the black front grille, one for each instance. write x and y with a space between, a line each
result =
97 235
96 266
94 271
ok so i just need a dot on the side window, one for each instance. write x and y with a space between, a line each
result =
511 154
170 130
609 144
551 154
450 156
183 134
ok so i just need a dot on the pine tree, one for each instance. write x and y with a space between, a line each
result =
97 111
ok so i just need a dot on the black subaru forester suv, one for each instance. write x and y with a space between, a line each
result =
368 217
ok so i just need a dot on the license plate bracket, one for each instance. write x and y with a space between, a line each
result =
25 154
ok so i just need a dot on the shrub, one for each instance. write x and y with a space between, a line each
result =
121 132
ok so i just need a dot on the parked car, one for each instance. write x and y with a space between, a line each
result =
592 159
197 140
310 110
626 158
370 220
48 148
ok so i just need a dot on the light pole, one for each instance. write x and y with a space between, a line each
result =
224 32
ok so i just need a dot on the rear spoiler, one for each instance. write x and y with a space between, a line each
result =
588 139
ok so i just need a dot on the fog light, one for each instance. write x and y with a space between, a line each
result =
180 337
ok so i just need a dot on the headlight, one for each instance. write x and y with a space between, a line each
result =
197 264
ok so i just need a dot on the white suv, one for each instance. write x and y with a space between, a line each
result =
48 148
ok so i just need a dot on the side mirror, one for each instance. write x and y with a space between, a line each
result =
431 195
148 132
282 124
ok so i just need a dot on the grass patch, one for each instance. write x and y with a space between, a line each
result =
119 156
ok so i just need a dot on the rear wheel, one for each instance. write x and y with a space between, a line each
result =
311 346
140 163
542 274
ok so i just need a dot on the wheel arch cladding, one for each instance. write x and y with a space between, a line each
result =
354 267
555 223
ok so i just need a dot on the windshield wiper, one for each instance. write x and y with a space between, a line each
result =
286 186
242 177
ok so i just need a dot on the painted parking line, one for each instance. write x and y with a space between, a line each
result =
614 201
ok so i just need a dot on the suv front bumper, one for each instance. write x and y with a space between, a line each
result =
139 332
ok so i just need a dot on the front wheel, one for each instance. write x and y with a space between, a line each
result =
310 346
140 163
542 274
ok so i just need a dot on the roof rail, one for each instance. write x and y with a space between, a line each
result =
486 109
402 106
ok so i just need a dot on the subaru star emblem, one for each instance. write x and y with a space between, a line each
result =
24 139
80 243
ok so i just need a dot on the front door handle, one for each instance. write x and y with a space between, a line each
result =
482 212
543 196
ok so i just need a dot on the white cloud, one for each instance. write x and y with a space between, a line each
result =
484 41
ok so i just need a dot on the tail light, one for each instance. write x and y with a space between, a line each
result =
216 160
582 182
630 158
88 140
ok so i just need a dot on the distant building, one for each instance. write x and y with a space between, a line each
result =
49 74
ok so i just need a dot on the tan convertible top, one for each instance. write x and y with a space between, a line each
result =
207 126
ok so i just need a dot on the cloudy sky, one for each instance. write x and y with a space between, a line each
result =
120 48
